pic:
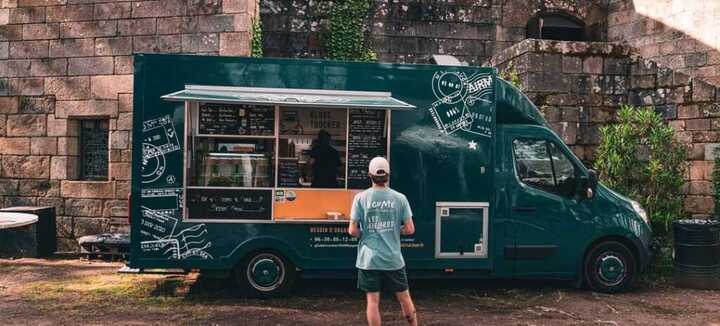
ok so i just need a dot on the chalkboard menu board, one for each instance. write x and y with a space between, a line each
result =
236 119
367 139
229 204
288 173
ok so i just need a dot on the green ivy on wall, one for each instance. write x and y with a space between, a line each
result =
256 50
346 39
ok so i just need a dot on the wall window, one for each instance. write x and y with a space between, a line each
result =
543 165
94 134
556 26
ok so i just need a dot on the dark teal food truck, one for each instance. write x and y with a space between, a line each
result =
223 178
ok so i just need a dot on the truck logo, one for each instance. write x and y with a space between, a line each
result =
463 103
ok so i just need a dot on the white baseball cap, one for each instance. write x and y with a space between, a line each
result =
379 166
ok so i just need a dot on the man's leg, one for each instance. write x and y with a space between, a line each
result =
373 308
408 308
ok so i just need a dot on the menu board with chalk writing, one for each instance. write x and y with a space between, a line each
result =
236 119
288 173
367 139
230 204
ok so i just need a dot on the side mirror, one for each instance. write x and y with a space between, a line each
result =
588 184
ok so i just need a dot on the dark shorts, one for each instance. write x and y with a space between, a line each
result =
386 281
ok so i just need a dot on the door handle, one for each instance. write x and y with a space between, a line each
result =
524 209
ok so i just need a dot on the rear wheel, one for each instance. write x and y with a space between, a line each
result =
265 274
610 267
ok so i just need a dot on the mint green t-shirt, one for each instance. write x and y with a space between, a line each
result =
380 213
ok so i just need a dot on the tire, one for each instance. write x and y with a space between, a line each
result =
265 274
610 267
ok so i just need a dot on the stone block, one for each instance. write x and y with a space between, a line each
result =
88 189
688 111
216 23
703 136
9 105
26 125
84 47
158 44
48 67
667 111
28 49
120 171
701 170
43 146
697 124
236 6
204 7
9 187
144 26
91 66
709 109
177 25
25 86
709 151
32 167
14 145
35 3
91 225
41 31
98 28
56 202
122 189
89 108
68 146
207 42
10 32
120 10
235 44
698 204
36 104
125 102
68 88
702 91
39 188
64 167
108 87
677 125
116 208
642 82
3 125
664 77
20 201
70 13
124 121
124 65
62 127
83 207
113 46
119 139
27 15
593 65
571 64
15 68
166 8
695 59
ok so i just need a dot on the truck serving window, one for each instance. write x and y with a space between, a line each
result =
541 164
279 154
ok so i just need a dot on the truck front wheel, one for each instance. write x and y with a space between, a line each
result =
265 274
610 267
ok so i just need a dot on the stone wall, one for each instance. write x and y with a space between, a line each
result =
678 34
61 60
579 86
411 31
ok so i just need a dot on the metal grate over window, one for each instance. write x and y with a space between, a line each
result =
94 136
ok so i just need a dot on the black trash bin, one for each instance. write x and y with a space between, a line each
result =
697 253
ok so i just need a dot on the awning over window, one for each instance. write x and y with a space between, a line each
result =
289 97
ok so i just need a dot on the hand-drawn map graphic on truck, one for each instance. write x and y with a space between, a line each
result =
462 102
159 139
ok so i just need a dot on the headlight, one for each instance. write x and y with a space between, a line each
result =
640 212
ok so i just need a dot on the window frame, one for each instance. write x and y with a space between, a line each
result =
81 148
191 130
548 143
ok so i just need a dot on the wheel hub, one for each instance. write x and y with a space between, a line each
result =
265 272
611 269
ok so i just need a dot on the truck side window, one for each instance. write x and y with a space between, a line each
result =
533 164
542 164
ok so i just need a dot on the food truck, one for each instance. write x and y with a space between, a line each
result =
226 174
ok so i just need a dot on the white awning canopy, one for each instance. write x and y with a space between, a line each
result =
289 97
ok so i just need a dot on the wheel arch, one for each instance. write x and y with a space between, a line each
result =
628 241
260 244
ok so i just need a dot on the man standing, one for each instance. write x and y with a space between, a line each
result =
379 216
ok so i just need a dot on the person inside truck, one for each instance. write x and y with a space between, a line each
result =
379 215
324 161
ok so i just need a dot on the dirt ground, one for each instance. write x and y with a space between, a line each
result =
52 292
